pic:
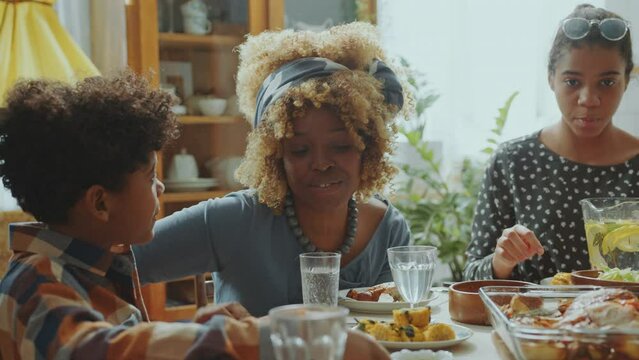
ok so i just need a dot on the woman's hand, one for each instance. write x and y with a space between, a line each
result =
362 346
232 309
515 245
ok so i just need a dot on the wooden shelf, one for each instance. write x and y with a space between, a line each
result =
192 119
182 312
212 66
173 197
188 41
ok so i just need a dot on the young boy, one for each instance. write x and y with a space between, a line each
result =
82 160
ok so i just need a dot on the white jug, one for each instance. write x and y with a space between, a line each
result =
194 14
183 167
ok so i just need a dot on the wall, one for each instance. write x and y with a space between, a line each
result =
476 53
628 113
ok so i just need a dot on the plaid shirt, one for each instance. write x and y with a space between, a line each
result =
63 298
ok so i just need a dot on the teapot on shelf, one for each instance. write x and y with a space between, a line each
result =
195 19
183 167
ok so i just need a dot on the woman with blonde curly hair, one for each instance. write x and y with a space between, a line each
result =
323 107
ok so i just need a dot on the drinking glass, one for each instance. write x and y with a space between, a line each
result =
320 277
305 332
412 268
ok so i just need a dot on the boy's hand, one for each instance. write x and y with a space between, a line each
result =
362 346
232 309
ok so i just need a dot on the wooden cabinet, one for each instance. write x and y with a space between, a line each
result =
210 65
206 64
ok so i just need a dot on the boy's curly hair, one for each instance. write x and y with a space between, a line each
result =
355 96
57 140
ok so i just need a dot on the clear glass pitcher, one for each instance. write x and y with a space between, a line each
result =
612 232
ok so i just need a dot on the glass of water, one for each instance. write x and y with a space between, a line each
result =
308 332
320 277
412 268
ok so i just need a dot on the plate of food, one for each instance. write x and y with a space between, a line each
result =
378 299
411 329
560 279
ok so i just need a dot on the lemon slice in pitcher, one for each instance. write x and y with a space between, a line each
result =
624 238
594 235
592 229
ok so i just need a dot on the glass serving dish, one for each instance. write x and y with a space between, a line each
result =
526 342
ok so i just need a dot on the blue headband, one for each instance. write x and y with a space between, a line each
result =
300 70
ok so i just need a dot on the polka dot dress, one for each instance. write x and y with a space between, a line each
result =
528 184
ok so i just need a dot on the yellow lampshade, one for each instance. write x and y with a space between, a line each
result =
33 44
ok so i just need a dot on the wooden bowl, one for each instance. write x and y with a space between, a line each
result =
589 277
465 305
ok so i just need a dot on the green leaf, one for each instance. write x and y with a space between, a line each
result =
441 215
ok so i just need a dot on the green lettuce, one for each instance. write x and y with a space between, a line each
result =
617 274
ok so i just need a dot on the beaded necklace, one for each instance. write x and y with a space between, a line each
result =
305 242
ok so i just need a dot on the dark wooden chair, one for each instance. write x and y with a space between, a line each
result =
203 290
7 217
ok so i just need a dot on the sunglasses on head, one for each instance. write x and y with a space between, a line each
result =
612 29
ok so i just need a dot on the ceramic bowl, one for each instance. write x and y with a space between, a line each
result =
465 305
212 106
589 277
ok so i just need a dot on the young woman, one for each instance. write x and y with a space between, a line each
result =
323 107
528 223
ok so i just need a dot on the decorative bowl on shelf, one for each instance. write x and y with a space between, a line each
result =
211 106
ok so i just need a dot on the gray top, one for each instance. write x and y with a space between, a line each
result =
528 184
252 253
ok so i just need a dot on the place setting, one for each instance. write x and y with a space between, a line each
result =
378 299
407 321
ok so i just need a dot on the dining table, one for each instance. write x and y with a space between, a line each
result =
483 344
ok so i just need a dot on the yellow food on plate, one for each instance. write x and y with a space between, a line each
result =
410 325
366 325
561 278
439 332
384 331
411 333
419 317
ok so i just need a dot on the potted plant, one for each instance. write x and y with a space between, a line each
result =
440 210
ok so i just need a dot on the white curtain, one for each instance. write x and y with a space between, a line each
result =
476 53
74 16
108 35
99 27
7 202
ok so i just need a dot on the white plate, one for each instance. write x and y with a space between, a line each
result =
199 184
424 354
461 334
546 281
374 306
